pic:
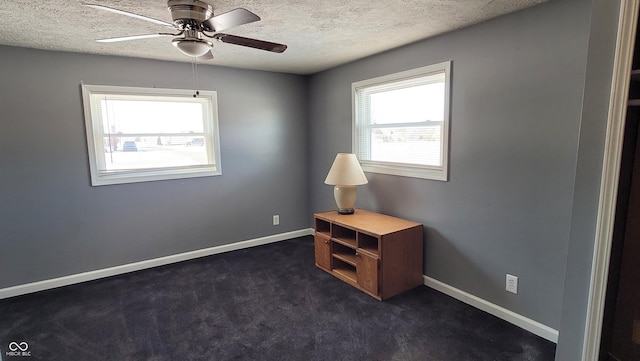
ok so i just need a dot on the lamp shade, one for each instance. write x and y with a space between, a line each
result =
192 47
346 170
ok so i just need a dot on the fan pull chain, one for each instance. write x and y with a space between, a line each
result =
194 72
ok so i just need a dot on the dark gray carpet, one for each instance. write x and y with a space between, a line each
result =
263 303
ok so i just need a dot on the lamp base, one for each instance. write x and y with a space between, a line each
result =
346 211
345 198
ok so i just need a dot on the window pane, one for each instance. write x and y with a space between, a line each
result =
143 116
126 153
408 105
415 145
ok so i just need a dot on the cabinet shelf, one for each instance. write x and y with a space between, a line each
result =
378 254
350 259
344 253
344 235
323 227
368 243
351 243
346 270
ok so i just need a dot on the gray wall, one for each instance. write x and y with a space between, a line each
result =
53 223
588 176
516 112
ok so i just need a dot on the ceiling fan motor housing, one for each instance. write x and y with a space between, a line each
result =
189 14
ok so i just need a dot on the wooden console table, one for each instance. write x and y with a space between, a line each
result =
378 254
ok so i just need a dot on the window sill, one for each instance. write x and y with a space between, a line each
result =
109 178
406 170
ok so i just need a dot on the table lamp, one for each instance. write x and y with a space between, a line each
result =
345 174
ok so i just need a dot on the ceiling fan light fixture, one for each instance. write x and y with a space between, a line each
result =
192 47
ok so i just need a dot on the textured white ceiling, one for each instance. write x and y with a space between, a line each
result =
320 34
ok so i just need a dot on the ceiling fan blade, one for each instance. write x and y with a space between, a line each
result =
229 19
207 56
252 43
122 12
133 37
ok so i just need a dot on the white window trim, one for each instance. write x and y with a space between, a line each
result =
405 169
94 130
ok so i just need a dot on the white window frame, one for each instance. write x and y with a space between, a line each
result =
95 135
363 149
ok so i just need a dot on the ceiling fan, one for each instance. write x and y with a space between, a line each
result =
195 22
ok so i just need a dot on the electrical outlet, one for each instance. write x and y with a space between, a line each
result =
276 219
512 283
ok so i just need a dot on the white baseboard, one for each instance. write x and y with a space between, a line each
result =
117 270
528 324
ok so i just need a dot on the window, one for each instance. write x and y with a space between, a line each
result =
141 134
401 122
